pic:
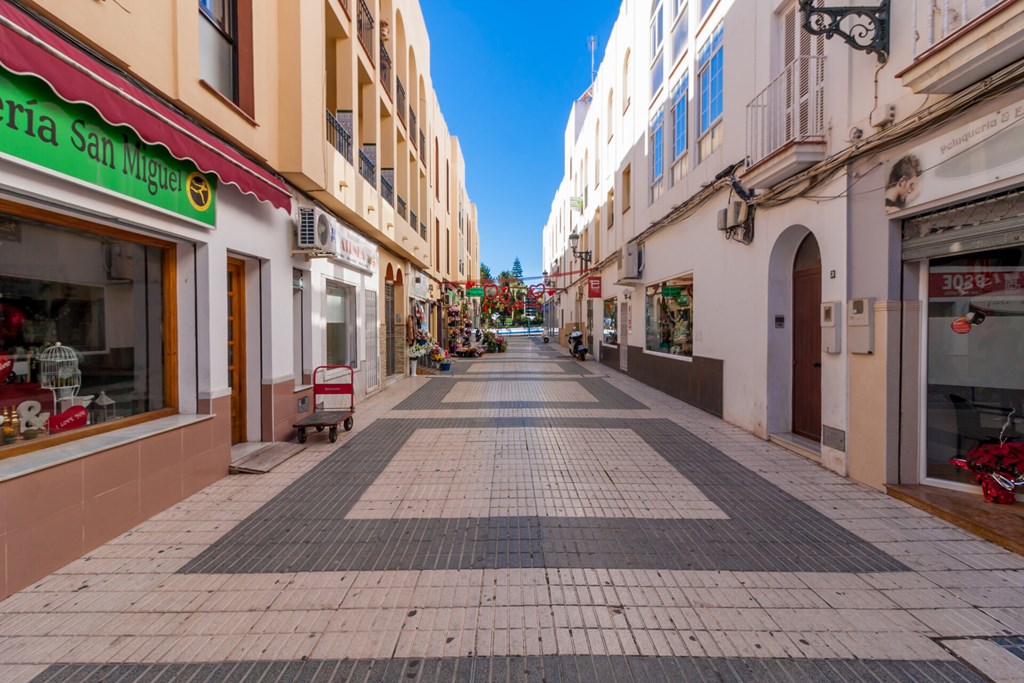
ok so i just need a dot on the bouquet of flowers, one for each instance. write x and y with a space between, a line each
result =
418 351
998 467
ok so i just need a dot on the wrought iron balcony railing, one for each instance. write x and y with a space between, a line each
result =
412 219
367 168
402 207
412 126
338 137
789 110
400 92
364 28
423 230
387 185
385 69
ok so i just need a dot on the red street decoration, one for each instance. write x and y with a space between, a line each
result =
6 367
536 292
72 418
593 287
960 325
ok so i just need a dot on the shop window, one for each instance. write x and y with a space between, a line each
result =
670 316
341 324
82 331
611 327
975 355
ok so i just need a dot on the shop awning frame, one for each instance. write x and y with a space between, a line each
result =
29 47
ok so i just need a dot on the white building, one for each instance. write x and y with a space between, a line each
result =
820 316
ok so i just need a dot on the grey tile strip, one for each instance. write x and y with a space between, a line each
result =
304 528
549 669
609 397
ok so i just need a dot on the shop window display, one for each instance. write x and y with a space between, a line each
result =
81 329
975 355
670 316
611 327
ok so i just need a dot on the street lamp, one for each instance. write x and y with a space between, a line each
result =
584 256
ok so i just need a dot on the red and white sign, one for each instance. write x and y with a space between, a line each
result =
967 283
594 287
6 367
960 326
72 418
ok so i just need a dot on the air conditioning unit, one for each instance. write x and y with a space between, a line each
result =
733 216
633 263
316 229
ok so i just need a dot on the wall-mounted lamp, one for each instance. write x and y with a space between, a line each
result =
584 256
866 28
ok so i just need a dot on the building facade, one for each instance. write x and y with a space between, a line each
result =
191 221
788 231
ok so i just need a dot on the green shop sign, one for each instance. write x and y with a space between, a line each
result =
475 291
671 292
39 127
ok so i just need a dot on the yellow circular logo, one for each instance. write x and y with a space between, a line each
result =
197 187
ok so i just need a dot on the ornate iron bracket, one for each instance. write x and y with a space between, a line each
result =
868 27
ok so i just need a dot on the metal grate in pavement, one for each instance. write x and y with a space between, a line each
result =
304 528
549 669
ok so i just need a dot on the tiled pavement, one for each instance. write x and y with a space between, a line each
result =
529 518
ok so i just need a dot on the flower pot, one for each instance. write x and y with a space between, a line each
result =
412 367
446 365
993 492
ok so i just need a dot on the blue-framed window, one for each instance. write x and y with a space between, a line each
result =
658 147
712 84
679 102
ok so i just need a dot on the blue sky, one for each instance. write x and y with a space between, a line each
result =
506 74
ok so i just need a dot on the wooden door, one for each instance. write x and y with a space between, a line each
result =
236 348
807 353
391 346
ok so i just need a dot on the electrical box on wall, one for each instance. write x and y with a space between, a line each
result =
830 327
861 321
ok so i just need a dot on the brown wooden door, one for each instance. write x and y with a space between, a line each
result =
807 353
236 348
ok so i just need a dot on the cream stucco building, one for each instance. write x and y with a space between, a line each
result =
203 202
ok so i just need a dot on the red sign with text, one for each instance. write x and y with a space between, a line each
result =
972 283
594 287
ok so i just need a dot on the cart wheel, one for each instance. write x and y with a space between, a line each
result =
302 435
333 434
320 428
349 422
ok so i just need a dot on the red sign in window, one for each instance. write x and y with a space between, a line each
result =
972 283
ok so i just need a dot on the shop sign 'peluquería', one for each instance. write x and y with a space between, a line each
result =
38 127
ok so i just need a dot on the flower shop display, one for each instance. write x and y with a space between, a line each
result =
494 343
997 467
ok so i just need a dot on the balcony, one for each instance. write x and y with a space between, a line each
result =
412 126
364 28
385 69
412 219
400 90
423 148
338 137
367 168
786 123
423 230
387 185
960 42
402 208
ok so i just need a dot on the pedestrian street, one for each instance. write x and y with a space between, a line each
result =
529 517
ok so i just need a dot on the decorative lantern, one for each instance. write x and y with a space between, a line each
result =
104 410
58 372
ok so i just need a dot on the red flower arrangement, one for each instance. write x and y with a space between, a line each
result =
998 467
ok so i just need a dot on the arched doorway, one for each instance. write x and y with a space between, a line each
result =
806 393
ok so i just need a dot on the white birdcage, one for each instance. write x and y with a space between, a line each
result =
58 372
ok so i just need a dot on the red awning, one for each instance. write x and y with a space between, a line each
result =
29 47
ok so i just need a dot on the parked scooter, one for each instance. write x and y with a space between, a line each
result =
576 347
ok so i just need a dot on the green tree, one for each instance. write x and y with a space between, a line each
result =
485 273
517 270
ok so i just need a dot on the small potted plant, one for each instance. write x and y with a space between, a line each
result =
997 467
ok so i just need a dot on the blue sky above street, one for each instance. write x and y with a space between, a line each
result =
506 75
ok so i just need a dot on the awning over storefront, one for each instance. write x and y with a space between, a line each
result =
29 47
